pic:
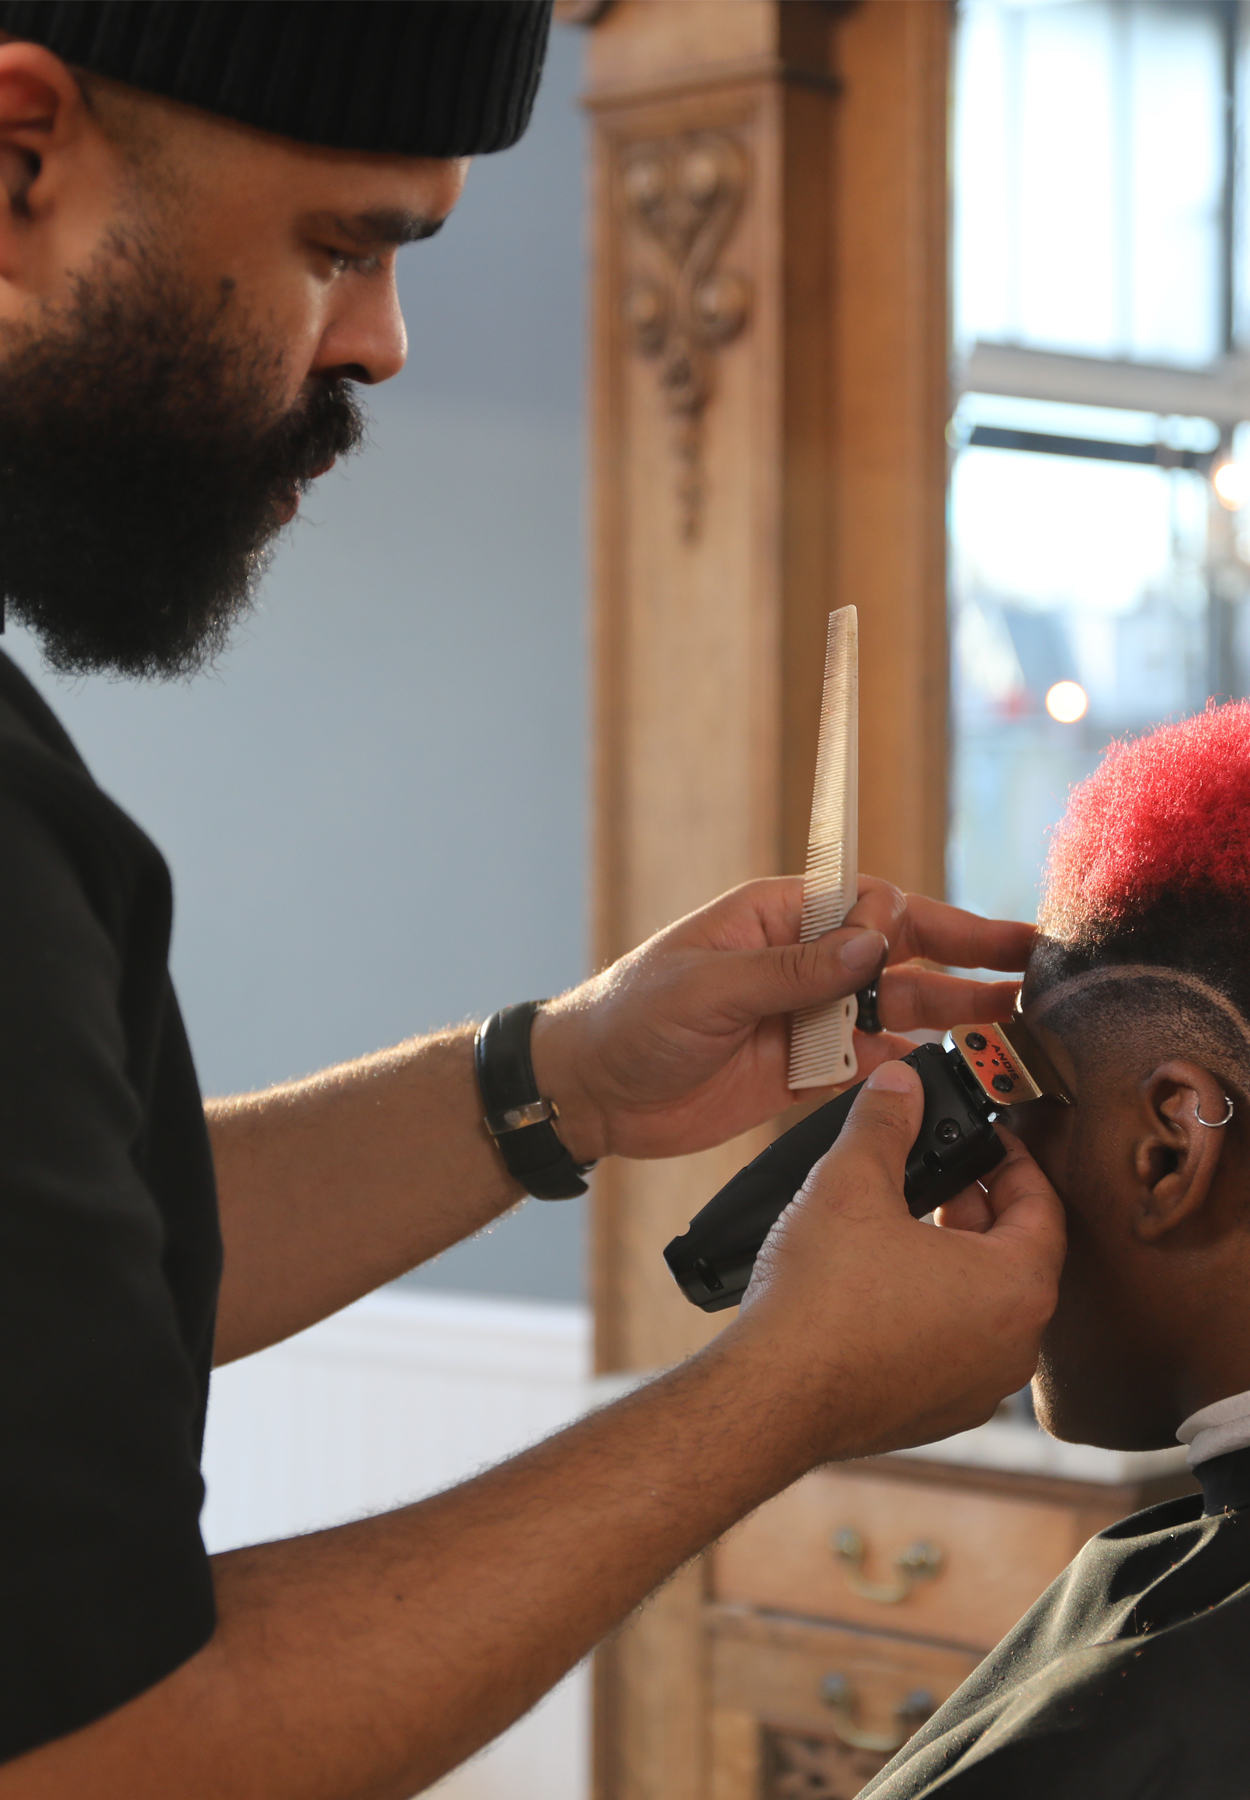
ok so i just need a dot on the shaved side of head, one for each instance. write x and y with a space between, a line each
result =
1124 1017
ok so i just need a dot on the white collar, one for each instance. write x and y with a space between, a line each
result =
1216 1429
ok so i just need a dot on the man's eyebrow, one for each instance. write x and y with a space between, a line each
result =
380 227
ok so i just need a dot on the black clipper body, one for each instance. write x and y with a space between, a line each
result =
979 1071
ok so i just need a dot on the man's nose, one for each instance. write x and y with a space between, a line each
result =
366 339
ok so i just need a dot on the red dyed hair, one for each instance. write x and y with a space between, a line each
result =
1168 813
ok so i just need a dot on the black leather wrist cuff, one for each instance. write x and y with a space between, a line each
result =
517 1117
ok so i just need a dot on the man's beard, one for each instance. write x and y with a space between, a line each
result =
145 470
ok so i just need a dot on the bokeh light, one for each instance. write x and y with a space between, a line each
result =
1231 482
1067 701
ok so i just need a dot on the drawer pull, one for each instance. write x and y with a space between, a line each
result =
912 1711
918 1562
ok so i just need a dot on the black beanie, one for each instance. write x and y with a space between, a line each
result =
415 77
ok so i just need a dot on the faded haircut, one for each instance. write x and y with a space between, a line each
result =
1160 1013
1149 870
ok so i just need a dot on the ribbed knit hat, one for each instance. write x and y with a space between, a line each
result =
415 77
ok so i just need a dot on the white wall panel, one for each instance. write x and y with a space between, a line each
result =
397 1397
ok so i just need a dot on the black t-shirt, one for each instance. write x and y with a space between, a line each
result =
110 1253
1128 1680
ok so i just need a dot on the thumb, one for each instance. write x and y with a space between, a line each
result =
880 1129
785 977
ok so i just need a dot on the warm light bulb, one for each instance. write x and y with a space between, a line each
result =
1067 701
1231 482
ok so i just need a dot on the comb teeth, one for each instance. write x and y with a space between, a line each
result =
821 1047
821 1043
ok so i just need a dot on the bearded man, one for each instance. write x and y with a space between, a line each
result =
200 208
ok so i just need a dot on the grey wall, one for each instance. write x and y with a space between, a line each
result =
375 807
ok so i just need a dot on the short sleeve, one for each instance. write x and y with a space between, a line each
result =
104 1582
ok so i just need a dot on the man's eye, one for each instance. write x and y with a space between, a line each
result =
341 261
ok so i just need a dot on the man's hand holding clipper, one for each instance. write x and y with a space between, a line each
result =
885 1331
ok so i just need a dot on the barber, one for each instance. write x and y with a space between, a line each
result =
200 208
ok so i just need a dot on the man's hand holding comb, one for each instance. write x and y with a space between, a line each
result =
682 1044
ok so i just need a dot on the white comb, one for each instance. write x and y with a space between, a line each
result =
822 1049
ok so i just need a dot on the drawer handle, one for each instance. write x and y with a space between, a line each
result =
918 1562
912 1711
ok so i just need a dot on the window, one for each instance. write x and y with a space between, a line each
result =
1099 572
1092 155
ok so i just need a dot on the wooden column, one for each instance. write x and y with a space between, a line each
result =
770 400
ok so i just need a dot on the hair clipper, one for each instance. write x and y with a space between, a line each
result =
976 1073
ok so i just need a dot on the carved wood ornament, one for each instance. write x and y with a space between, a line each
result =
684 195
805 1768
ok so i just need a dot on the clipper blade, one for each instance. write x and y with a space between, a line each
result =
1009 1064
821 1044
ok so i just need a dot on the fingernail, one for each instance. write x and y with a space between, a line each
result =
863 951
892 1078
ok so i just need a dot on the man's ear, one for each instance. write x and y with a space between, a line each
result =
41 110
1179 1146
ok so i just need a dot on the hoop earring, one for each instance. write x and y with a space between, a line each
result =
1214 1124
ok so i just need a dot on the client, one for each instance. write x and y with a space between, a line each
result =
1131 1675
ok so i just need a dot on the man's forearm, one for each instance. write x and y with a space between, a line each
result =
331 1186
365 1661
362 1663
336 1184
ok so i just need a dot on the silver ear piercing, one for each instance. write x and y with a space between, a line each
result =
1214 1124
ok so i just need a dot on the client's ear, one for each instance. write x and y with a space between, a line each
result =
1179 1147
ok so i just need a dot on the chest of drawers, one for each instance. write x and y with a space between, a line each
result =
840 1615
